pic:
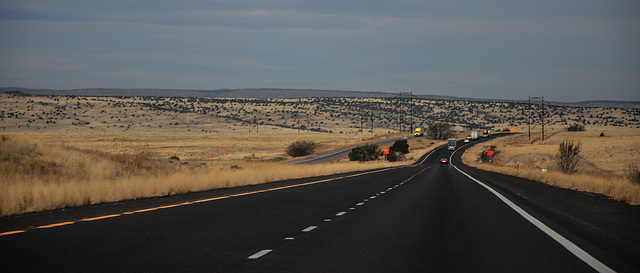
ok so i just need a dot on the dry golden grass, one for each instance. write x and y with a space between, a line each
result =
40 172
602 169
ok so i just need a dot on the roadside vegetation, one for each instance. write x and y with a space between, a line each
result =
36 176
580 160
366 152
301 148
60 151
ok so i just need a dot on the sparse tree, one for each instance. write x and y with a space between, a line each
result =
401 146
568 157
439 130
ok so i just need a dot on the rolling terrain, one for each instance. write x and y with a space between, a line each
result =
426 217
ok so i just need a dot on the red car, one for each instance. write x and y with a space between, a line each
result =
444 161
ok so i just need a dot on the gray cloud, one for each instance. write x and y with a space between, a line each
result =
567 50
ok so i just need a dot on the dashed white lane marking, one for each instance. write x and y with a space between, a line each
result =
360 204
341 213
352 208
259 254
372 197
289 238
327 220
309 228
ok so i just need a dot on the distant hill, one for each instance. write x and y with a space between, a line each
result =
276 93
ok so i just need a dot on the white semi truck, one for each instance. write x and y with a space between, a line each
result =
474 135
451 144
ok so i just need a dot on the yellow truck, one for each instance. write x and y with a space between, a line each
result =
419 132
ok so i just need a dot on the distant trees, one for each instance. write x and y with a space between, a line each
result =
439 130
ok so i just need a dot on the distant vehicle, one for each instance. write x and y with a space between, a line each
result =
466 140
452 144
474 135
419 132
486 133
444 161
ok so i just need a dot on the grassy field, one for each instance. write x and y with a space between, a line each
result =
42 171
60 151
603 167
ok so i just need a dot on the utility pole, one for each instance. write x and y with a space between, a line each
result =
366 110
402 96
541 114
253 126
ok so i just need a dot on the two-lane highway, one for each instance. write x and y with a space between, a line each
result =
428 217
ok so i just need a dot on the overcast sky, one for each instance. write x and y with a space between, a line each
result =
568 50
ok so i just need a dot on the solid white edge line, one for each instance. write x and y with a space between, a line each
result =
259 254
573 248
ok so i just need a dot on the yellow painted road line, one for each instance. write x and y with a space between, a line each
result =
12 232
195 202
209 199
170 206
100 217
57 225
144 210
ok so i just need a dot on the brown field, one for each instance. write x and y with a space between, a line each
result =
47 170
603 166
60 151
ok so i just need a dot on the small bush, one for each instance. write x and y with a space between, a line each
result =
394 156
401 146
577 127
174 158
568 156
367 152
301 148
634 173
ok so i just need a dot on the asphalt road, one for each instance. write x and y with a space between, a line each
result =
424 218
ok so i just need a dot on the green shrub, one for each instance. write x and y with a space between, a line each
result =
401 146
367 152
301 148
